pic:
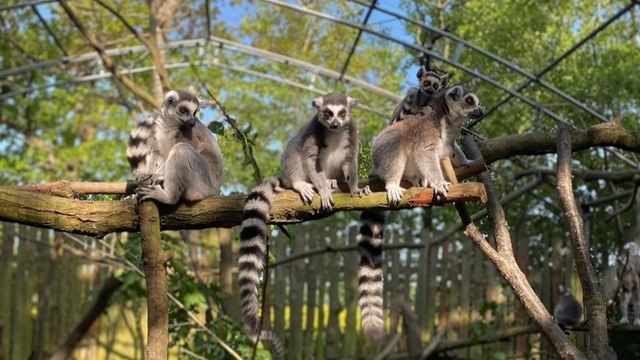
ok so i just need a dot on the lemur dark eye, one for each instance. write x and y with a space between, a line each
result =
327 113
470 101
427 83
183 110
435 86
342 113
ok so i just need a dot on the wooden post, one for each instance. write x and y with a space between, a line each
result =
154 260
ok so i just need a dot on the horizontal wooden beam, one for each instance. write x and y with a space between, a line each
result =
98 218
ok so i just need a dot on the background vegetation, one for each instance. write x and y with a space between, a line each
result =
64 117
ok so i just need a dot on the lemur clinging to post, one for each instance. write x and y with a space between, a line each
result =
175 152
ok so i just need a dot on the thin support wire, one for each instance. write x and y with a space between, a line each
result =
555 62
25 4
493 57
46 26
208 11
426 51
355 43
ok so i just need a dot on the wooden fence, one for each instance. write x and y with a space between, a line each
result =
49 280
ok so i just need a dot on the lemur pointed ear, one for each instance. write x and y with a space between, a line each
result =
202 103
317 102
171 97
421 72
455 93
351 102
444 80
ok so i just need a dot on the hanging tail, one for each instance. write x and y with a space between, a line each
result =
277 350
139 146
253 240
370 279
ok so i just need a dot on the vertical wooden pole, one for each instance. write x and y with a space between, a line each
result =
154 260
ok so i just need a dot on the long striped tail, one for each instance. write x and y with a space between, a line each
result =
277 350
253 240
370 279
140 147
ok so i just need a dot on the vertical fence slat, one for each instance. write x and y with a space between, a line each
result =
296 296
333 328
351 295
320 348
312 289
279 288
6 279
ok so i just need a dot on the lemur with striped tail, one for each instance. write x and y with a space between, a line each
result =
407 150
322 153
175 152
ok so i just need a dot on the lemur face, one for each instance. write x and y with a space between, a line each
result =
463 103
182 107
334 110
431 82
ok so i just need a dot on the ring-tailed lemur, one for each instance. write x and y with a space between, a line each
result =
568 312
401 150
323 152
417 99
176 153
411 149
624 276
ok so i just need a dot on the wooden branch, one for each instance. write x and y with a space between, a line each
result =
447 345
440 237
435 341
410 327
586 174
632 199
389 348
98 218
592 298
106 60
152 46
102 301
154 260
71 189
505 261
607 134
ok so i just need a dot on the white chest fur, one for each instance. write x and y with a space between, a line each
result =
165 139
332 157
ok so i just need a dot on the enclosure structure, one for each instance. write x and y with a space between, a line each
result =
113 59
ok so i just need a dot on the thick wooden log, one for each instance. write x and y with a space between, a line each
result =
98 218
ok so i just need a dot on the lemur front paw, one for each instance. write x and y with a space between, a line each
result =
151 178
624 320
394 194
326 201
440 188
460 161
424 110
360 192
305 190
148 192
636 321
332 183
